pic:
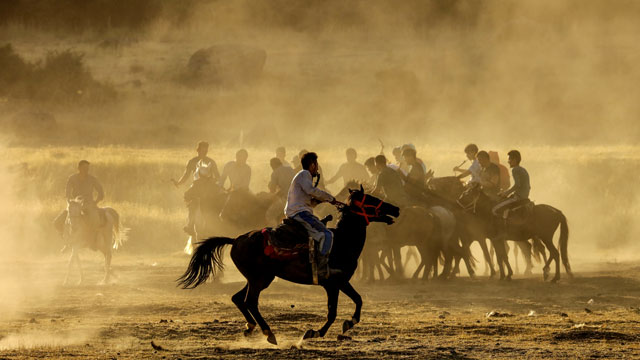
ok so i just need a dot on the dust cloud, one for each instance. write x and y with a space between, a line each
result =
123 86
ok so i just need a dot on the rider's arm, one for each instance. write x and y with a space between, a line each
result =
306 184
68 189
335 177
464 174
214 170
189 169
99 190
273 184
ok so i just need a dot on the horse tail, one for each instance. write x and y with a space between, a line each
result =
205 261
120 233
564 239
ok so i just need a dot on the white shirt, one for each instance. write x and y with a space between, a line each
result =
303 196
475 170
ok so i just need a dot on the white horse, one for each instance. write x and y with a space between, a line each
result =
87 227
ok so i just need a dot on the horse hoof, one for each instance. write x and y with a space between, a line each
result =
249 329
271 338
555 280
310 334
347 325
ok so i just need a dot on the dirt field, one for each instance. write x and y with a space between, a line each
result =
414 320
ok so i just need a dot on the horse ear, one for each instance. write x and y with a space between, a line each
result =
361 188
351 191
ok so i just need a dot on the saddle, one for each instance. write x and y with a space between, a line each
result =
288 240
519 214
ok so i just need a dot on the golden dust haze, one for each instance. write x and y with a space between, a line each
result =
557 80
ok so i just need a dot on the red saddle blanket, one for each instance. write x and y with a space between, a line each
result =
280 253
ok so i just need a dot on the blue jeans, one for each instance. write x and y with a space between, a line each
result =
318 232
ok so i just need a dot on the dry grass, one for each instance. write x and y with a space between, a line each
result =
586 183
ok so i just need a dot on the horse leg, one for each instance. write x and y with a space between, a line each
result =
525 248
554 254
251 302
397 259
348 290
332 302
238 299
515 257
487 257
500 251
107 266
72 260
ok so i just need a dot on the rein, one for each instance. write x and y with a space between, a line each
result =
363 209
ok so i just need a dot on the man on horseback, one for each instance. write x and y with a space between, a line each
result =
389 183
351 170
518 194
471 151
81 185
415 179
238 172
489 175
192 168
281 177
301 199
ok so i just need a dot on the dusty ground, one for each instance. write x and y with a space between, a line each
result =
409 320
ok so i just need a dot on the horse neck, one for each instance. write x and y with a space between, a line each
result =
351 233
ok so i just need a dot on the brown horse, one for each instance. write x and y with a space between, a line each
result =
541 224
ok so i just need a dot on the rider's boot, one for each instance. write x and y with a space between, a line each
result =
324 271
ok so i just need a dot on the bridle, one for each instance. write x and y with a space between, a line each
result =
362 208
471 206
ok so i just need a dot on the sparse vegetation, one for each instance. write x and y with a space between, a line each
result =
61 77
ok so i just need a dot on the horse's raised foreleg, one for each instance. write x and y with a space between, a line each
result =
239 299
348 290
332 302
253 293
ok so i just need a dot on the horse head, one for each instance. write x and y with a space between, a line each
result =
75 214
370 207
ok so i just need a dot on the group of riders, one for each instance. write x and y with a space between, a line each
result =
401 182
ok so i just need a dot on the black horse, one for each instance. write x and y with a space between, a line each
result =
541 224
247 253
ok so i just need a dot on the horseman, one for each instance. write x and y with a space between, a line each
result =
303 196
471 151
351 170
489 175
519 192
81 185
201 192
389 183
415 179
281 177
191 168
238 172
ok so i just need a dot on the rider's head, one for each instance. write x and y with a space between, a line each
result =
351 154
309 162
241 156
83 167
514 158
281 152
471 150
370 164
483 158
203 148
397 153
409 155
381 162
275 163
